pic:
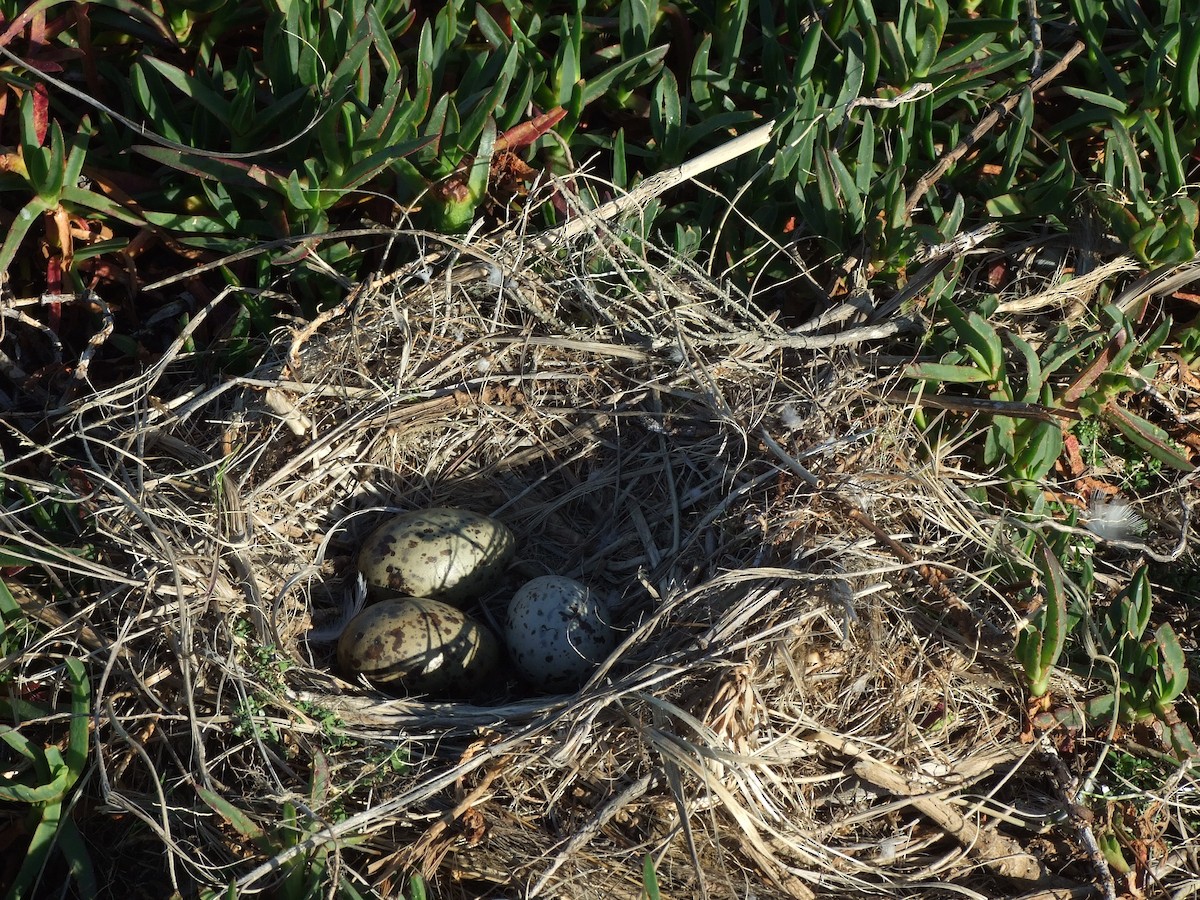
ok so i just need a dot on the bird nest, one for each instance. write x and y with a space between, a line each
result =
811 692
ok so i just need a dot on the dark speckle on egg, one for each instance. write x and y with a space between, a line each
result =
450 555
414 646
557 632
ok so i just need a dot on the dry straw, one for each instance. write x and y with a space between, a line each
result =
812 696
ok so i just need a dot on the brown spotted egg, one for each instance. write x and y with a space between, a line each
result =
441 554
557 632
412 646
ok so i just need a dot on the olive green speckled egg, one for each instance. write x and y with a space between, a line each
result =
412 646
440 554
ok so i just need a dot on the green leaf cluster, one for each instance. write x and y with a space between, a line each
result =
1149 671
40 777
1040 643
291 121
286 119
305 875
1081 372
1144 673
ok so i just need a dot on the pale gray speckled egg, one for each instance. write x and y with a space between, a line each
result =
557 632
413 646
441 554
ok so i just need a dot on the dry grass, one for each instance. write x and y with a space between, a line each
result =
813 695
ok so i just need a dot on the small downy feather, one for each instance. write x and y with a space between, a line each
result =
1114 520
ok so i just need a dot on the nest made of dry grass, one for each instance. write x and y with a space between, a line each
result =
812 696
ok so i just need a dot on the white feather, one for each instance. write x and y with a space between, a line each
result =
1114 520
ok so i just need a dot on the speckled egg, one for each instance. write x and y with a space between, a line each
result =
557 632
411 646
441 554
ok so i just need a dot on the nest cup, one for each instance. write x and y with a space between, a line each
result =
639 429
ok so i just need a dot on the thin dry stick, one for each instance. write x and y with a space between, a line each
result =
1070 291
935 259
10 311
429 849
302 336
916 92
811 342
930 573
373 818
1014 408
96 341
1068 786
646 191
119 800
652 187
986 124
1035 37
34 605
1160 282
658 184
1001 854
584 835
